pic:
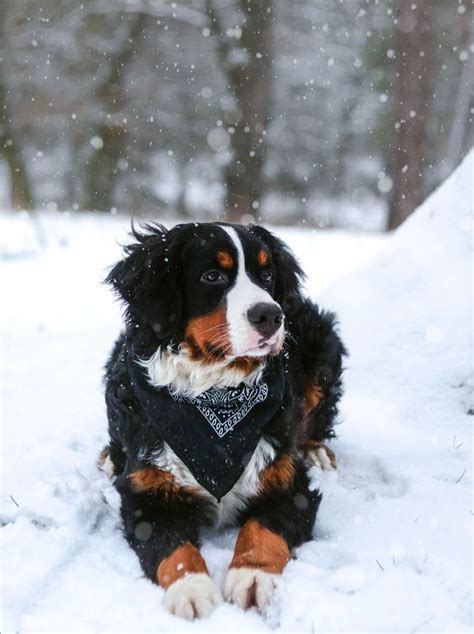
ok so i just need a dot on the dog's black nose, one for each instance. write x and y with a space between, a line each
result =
265 318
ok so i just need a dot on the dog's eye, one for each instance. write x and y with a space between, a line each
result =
266 277
213 277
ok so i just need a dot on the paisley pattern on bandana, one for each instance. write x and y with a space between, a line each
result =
224 408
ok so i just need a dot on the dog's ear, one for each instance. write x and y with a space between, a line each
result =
289 275
147 279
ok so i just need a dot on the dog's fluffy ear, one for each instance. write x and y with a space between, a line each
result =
289 275
147 278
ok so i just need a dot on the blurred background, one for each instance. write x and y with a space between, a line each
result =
341 113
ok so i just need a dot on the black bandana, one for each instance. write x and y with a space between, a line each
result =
215 433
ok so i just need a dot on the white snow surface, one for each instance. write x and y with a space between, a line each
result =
392 548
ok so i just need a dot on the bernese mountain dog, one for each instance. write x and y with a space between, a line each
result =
219 393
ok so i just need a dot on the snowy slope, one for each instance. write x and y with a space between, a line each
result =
392 548
397 543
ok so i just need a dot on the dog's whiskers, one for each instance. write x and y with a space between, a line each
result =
288 335
218 327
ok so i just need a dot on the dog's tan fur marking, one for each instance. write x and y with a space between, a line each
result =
262 257
246 364
151 479
279 474
225 260
313 394
208 332
259 547
182 561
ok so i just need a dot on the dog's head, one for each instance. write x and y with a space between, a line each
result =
219 289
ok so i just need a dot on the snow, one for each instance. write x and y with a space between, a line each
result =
392 549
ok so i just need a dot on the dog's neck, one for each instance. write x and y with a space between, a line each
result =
182 374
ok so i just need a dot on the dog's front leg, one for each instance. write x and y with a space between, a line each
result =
162 522
281 518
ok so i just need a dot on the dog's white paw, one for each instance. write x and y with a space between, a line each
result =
322 457
193 596
248 587
105 463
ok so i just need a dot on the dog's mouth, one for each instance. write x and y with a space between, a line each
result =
270 348
266 347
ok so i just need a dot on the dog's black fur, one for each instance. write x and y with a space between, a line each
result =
157 282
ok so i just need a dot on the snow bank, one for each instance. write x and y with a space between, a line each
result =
400 520
392 548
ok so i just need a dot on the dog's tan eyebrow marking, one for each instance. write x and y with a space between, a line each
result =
262 257
225 259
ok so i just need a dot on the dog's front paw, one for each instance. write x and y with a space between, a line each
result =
319 455
193 596
105 463
248 587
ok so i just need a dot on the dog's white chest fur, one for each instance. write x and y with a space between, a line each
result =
188 377
233 502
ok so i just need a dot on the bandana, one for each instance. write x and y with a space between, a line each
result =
215 433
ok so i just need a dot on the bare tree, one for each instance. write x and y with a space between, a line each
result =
10 147
412 95
246 60
111 130
463 101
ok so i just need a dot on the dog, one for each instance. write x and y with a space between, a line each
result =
219 394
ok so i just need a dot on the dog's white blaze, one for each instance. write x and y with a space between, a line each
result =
242 296
233 502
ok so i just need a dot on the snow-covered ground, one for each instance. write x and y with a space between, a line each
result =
392 549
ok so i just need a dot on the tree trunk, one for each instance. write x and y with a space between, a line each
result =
103 167
457 134
20 189
413 68
247 65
